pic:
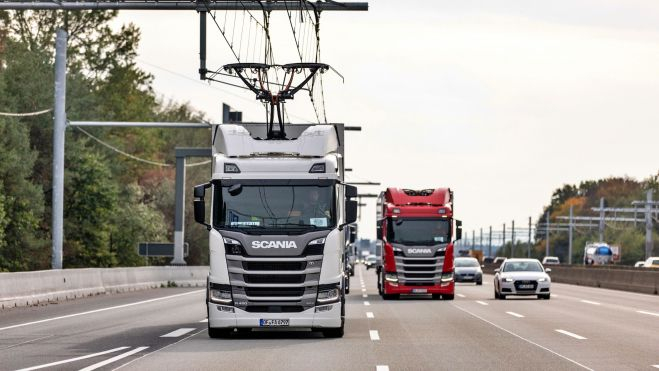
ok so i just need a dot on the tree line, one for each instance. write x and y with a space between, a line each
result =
111 202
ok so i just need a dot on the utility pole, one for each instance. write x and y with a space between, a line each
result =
601 229
649 246
547 235
569 249
59 128
503 237
480 243
489 244
512 240
473 239
528 255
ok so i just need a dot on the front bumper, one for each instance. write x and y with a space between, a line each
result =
434 289
478 277
508 288
219 317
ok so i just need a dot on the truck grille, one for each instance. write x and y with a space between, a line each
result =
421 271
274 284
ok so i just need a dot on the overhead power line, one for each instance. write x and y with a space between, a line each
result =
25 114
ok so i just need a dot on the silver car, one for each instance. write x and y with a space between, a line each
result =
522 277
468 270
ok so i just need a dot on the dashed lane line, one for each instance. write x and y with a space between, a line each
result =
367 303
381 368
590 302
369 315
461 296
523 338
375 335
178 333
648 313
364 296
73 359
571 334
113 359
481 302
100 310
515 314
204 320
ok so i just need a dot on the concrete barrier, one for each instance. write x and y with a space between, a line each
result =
38 287
643 280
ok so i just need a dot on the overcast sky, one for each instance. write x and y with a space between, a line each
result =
502 101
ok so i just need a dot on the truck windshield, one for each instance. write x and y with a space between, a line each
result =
274 207
419 231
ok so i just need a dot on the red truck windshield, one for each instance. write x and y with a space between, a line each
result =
418 231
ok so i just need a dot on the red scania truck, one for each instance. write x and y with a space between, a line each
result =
416 232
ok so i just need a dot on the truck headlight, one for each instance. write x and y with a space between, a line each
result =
328 296
317 241
447 277
391 277
220 296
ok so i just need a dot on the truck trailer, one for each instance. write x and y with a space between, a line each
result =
416 231
278 209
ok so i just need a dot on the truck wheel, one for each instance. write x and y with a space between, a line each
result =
333 332
479 283
436 296
448 296
390 296
219 333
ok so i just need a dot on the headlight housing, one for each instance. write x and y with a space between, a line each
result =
447 277
317 241
328 296
220 296
543 279
391 277
507 279
232 247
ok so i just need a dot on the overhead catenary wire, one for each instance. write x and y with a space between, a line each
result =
25 114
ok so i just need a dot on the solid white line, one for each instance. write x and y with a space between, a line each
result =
646 312
381 368
100 310
522 338
73 359
178 333
367 303
113 359
364 296
655 366
461 296
481 302
374 335
204 320
590 302
568 333
515 314
369 315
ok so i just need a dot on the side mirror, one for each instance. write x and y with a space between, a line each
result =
547 270
458 230
200 205
378 230
350 191
351 211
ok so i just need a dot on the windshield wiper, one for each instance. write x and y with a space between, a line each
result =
294 225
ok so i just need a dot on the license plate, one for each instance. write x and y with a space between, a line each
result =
419 291
273 322
525 286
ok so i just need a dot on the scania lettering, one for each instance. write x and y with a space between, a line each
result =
416 231
278 213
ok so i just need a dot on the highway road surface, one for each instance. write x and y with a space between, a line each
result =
164 329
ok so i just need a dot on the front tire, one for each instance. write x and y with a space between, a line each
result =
448 296
339 331
479 283
544 296
219 333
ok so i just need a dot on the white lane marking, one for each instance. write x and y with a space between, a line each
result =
364 296
100 310
655 366
178 333
522 338
204 320
461 296
113 359
374 335
363 290
481 302
367 303
590 302
381 368
646 312
571 334
515 314
369 315
485 283
158 350
73 359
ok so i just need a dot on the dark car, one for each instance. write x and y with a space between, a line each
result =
468 270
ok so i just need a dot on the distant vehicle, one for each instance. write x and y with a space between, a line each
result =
652 262
468 270
522 277
478 254
550 260
370 261
597 254
639 264
499 259
488 260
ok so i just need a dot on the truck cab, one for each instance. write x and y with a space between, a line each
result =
278 209
416 231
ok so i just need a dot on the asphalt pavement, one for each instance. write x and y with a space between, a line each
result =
165 329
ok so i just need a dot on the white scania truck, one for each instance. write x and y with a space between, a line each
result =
278 211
